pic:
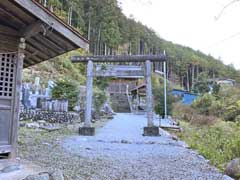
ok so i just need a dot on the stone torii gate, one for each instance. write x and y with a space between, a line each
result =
87 129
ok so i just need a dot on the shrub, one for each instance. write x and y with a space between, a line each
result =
159 102
216 89
202 86
66 89
219 144
231 113
99 99
203 103
230 94
216 108
101 82
100 96
184 112
237 120
158 93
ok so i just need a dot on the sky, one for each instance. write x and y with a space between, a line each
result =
193 23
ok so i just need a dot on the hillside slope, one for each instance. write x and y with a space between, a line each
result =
55 69
111 32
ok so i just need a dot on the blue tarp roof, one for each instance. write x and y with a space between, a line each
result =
187 97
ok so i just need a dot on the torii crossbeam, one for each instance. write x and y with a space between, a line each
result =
150 130
119 58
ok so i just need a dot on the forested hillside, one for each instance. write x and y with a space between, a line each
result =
111 32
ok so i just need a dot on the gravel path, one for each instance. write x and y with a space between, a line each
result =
120 152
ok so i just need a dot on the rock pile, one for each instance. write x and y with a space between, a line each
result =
41 125
107 111
233 168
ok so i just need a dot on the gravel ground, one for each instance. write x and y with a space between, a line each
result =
117 152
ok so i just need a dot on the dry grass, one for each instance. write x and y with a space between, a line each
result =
200 120
188 114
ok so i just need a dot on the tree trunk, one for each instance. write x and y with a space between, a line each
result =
70 16
101 52
45 3
182 82
130 48
197 72
213 76
95 49
188 83
168 70
98 40
89 28
193 73
105 49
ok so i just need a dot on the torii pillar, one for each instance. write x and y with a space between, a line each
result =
87 130
150 130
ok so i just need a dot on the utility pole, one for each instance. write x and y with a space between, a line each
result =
165 87
164 74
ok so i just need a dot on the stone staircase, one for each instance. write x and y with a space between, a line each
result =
120 103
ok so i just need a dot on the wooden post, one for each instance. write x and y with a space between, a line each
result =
89 89
138 100
149 94
18 86
87 130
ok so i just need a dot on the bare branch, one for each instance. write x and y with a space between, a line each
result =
224 8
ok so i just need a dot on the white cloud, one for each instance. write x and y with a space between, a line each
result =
192 23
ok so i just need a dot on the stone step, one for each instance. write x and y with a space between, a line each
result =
120 103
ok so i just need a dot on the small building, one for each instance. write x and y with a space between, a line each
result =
29 34
228 82
139 97
222 81
187 98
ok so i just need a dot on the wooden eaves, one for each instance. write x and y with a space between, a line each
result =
47 36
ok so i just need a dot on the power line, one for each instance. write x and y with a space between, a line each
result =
226 39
